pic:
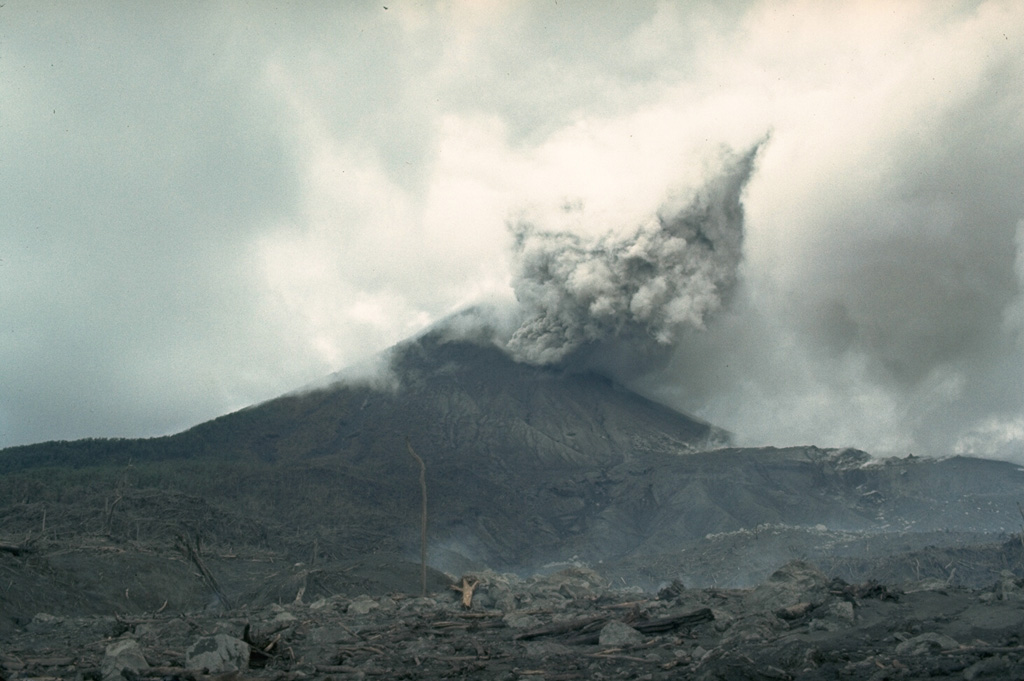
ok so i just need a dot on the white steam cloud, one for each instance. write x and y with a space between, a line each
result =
204 210
670 273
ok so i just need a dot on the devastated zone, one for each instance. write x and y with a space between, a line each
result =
576 530
123 581
570 624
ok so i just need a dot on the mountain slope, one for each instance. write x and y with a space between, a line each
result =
524 466
505 445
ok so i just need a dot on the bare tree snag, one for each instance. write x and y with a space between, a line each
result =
1021 509
19 549
108 511
14 550
191 550
423 522
466 590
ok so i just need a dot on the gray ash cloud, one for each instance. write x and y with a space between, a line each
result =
580 294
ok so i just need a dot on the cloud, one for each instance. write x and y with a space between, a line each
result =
879 255
129 189
638 288
206 208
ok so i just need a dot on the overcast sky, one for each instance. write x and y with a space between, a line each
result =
205 205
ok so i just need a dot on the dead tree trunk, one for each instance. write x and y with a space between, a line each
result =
423 517
191 550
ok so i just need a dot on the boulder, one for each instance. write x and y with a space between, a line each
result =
580 577
362 605
619 634
926 644
795 584
996 667
419 604
520 620
42 622
122 655
842 611
218 654
1009 587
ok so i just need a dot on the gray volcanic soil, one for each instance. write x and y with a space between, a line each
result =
798 624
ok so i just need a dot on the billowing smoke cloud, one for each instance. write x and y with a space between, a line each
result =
317 185
643 287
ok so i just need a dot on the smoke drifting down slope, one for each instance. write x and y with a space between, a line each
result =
642 288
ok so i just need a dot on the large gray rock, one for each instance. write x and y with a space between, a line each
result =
793 584
121 655
926 644
43 622
619 634
521 620
362 605
218 654
997 667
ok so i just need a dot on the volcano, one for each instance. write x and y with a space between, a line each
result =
525 467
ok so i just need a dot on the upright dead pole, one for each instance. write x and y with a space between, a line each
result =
423 519
1021 509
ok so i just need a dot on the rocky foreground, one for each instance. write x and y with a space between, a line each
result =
572 624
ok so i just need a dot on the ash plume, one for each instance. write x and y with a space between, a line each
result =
580 295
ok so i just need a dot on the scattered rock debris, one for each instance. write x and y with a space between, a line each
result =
562 626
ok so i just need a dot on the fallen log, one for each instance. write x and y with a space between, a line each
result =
336 669
49 661
559 628
982 650
16 550
161 672
654 626
671 622
618 656
191 551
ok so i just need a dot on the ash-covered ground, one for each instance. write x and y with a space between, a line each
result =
570 624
